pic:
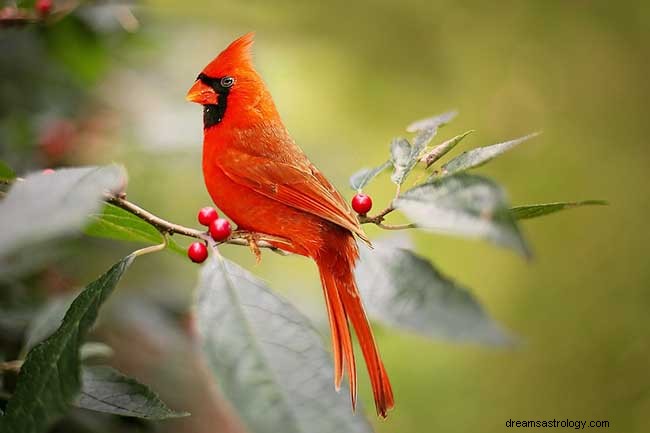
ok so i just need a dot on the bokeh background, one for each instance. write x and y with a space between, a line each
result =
108 84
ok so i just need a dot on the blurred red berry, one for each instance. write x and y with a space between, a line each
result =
197 252
361 203
47 171
220 229
207 215
43 7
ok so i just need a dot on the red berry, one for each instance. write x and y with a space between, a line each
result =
361 203
197 252
47 171
44 7
207 215
220 229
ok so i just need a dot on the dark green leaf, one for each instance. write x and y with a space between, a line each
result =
463 205
432 122
117 223
267 358
441 150
538 210
476 157
6 173
109 391
49 379
362 177
404 290
61 202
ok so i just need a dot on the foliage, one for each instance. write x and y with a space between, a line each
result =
266 356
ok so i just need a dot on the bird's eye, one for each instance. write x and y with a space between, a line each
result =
227 82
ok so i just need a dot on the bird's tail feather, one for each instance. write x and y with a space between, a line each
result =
344 307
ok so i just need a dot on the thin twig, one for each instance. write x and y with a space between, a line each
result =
13 366
238 237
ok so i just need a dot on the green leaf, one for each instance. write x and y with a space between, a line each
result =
363 177
400 157
267 358
404 290
119 224
441 150
465 205
109 391
6 173
49 379
476 157
405 156
46 206
432 122
538 210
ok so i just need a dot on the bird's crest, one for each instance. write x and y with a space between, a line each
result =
237 56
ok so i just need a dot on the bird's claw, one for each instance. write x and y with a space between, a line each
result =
252 240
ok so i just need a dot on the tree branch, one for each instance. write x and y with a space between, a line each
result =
238 237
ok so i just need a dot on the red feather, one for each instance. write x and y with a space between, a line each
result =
263 181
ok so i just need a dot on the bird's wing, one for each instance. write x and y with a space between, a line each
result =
295 183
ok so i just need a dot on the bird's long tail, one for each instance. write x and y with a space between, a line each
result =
344 306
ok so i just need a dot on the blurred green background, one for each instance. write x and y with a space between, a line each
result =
349 76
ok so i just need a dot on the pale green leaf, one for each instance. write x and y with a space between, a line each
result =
404 290
464 205
432 122
479 156
267 358
362 177
46 206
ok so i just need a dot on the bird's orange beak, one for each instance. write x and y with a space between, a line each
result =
202 94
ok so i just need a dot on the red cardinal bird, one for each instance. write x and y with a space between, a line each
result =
263 181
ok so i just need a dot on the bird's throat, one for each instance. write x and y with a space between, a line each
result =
213 114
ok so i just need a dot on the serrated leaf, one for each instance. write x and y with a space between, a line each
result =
267 358
432 122
107 390
441 150
361 178
538 210
406 291
477 157
49 379
116 223
61 201
465 205
6 173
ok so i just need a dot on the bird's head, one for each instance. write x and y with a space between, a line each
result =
230 89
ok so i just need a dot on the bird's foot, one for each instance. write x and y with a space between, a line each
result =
253 239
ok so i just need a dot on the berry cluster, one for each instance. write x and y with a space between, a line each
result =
219 229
